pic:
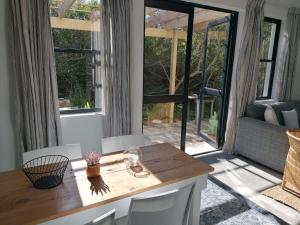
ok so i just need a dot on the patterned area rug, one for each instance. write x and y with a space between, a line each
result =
221 205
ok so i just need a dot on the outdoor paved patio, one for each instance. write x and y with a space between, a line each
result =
171 133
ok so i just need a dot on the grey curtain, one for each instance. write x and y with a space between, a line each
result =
288 56
36 100
243 89
115 63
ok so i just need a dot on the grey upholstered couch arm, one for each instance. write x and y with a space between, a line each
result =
262 142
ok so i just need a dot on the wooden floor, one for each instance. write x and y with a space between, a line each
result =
171 133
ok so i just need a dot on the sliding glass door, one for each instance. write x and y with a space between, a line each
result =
167 52
216 78
188 55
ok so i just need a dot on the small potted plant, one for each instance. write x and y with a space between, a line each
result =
93 166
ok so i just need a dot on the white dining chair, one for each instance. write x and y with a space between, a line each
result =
72 151
106 219
170 208
113 144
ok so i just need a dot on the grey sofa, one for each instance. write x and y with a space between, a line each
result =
263 142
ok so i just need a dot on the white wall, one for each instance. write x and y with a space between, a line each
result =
136 66
84 129
7 137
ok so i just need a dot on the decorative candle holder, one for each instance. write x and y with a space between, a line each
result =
133 159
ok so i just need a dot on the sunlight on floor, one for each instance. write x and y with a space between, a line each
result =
249 179
196 148
171 133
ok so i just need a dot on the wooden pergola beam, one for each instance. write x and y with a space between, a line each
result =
87 25
203 17
165 33
65 6
217 35
198 27
180 35
172 87
73 24
170 20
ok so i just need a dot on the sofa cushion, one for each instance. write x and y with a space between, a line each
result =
285 106
256 111
291 118
270 116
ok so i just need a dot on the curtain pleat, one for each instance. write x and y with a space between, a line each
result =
244 84
36 99
288 57
116 70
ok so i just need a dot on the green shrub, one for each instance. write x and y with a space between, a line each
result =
213 124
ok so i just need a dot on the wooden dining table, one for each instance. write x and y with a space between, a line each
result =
78 199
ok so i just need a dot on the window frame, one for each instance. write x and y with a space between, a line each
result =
96 85
97 80
274 56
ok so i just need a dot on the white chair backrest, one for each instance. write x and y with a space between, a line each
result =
106 219
72 151
113 144
171 208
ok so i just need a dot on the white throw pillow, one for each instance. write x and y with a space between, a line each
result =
291 118
270 116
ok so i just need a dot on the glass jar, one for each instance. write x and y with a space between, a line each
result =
132 157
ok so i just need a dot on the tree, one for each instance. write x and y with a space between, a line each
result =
157 64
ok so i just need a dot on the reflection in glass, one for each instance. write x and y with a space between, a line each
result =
269 30
165 47
263 79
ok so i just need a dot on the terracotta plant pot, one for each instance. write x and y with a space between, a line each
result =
93 170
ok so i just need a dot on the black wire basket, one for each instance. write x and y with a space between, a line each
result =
46 171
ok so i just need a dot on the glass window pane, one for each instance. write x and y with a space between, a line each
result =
67 38
162 122
157 66
263 79
269 30
77 53
215 59
164 51
75 80
267 60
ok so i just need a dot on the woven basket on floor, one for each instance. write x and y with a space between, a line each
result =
291 176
